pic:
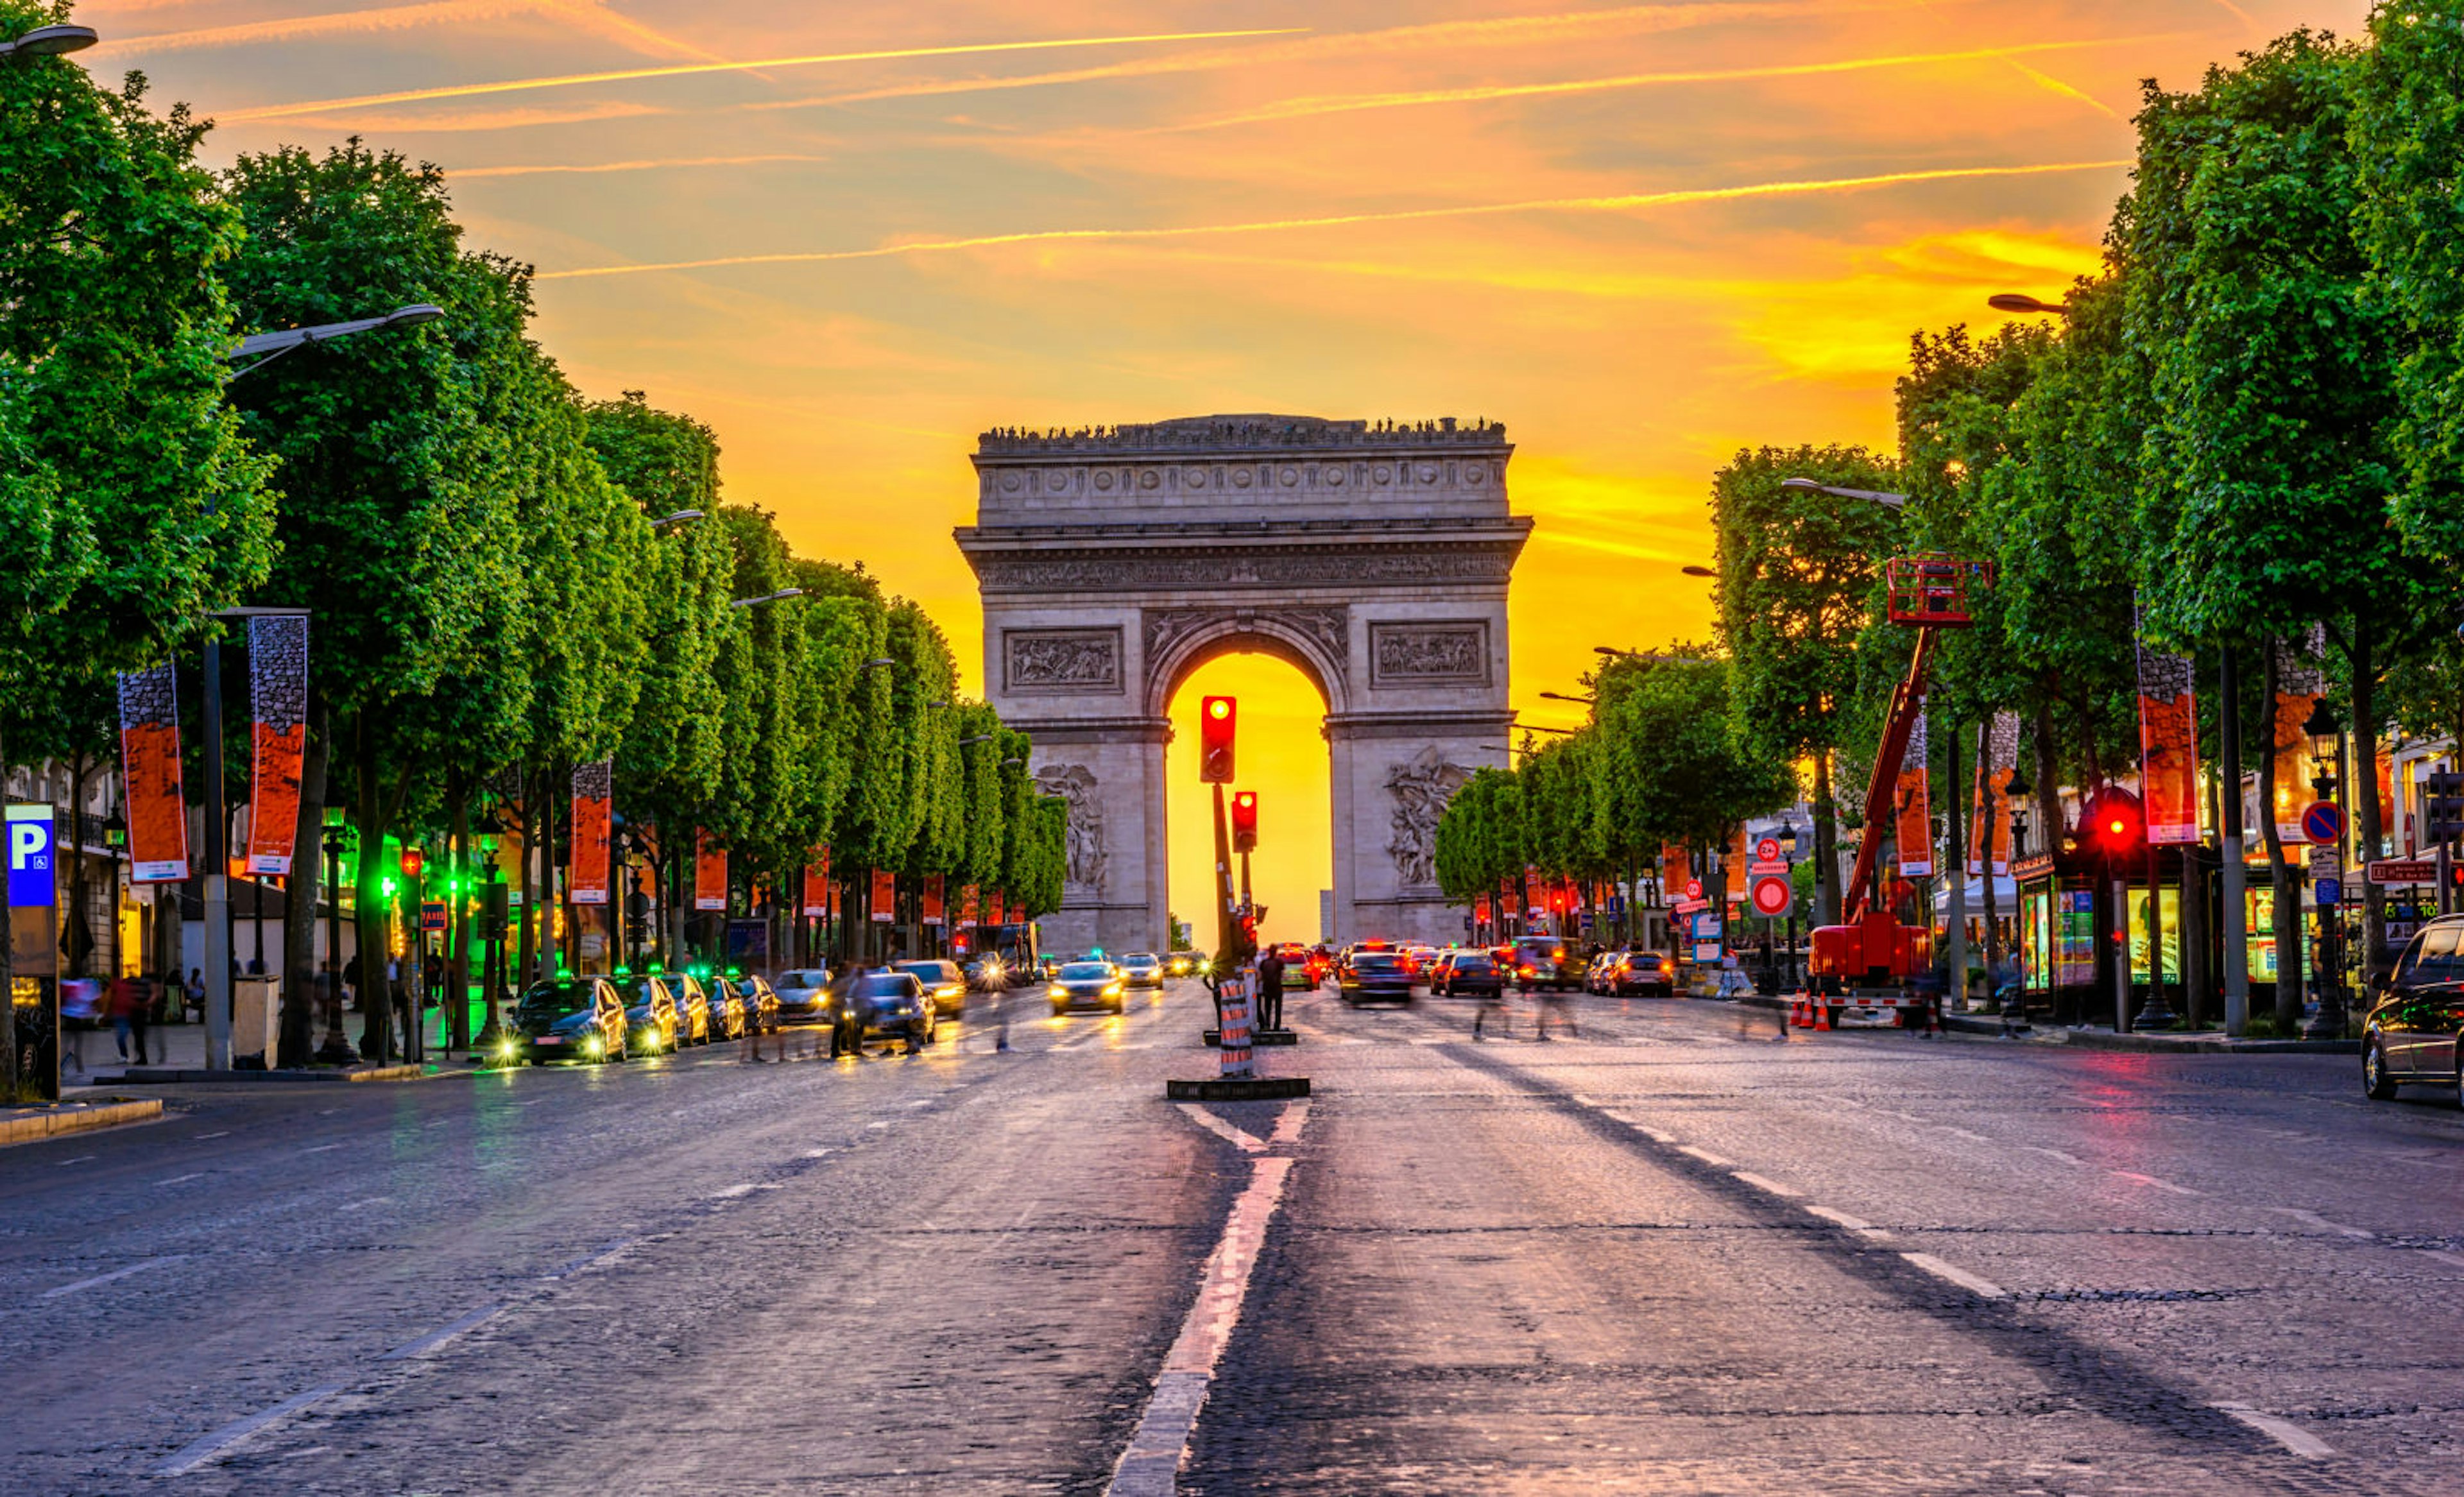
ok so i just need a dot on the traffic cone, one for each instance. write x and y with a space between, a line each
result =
1822 1017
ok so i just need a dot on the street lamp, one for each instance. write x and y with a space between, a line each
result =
1692 570
676 518
980 737
266 347
768 597
1881 496
1580 701
2019 301
50 41
2326 733
335 841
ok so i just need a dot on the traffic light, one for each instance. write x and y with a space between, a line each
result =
496 911
2115 824
2442 807
1245 821
1216 718
412 861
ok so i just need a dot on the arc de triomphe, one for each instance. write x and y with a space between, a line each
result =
1114 562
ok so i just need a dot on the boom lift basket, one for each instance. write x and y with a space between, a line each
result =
1931 588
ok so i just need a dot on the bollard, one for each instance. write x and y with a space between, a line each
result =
1234 1053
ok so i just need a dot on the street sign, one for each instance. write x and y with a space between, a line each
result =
2327 861
1766 850
2328 891
2323 821
1693 889
1772 895
431 916
2404 871
31 886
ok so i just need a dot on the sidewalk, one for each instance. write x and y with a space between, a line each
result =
2195 1042
177 1053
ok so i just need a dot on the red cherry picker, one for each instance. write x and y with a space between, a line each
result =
1865 968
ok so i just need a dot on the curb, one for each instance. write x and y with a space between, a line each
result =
158 1076
1254 1089
2159 1043
78 1118
1213 1038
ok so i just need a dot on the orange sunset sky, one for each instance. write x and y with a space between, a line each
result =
852 235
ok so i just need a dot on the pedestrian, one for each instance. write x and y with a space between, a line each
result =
81 1003
1554 1005
192 995
351 980
846 1023
1270 991
1492 1000
128 1000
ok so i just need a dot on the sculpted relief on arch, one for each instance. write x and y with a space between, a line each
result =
1075 786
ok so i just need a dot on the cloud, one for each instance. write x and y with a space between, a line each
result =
586 15
466 173
477 119
686 70
1621 202
1345 103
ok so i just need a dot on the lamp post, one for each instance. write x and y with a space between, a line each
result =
335 841
48 41
2326 735
1787 855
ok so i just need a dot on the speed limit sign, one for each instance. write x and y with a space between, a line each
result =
1693 889
1772 895
1766 850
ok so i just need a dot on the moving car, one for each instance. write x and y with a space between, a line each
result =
2410 1035
1089 984
1182 964
1547 961
1466 974
650 1013
943 982
895 1005
988 974
1142 969
804 993
570 1019
1631 972
1375 977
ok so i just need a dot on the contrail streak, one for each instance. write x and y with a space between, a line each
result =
688 69
583 14
1618 203
1349 45
2055 85
1328 105
466 173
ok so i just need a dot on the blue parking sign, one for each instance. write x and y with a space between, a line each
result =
30 885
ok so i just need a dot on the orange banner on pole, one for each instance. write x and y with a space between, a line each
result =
277 680
2169 748
967 905
1740 853
2300 682
817 888
997 908
885 896
1676 871
934 912
1912 805
586 877
150 765
1997 758
709 872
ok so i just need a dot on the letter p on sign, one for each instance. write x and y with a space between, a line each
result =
29 857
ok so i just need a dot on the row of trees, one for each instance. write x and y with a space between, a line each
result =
493 602
2249 425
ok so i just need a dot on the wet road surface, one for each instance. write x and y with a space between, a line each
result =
1675 1254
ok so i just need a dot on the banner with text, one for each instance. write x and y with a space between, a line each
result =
585 877
1997 758
2169 747
817 886
885 896
934 911
149 766
709 872
2300 681
277 687
1911 800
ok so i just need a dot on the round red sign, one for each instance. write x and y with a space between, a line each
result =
1772 895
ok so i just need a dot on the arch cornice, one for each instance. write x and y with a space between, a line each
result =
1315 638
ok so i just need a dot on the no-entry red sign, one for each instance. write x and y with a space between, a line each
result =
1772 895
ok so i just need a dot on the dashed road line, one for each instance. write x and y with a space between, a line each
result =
738 1191
225 1133
322 1148
2151 1179
1857 1224
1982 1288
366 1200
113 1276
1706 1156
181 1179
1238 1138
2053 1154
599 1259
212 1446
1769 1186
80 1160
2284 1432
2315 1219
436 1341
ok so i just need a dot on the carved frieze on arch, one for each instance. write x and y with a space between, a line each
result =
1317 638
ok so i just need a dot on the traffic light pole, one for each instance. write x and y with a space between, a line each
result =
2237 898
2120 950
1226 958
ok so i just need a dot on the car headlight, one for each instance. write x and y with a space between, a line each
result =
1058 991
1111 988
595 1045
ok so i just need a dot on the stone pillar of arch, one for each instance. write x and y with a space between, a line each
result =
1112 562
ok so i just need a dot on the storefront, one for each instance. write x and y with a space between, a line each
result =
2067 923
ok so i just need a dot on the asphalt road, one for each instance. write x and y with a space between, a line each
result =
1672 1254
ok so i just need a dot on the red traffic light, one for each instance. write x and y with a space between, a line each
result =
1245 821
412 861
2114 825
1217 717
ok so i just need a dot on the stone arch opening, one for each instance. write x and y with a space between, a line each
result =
1284 756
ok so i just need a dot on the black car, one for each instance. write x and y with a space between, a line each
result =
2410 1035
895 1004
570 1019
943 981
1547 961
1467 973
1375 977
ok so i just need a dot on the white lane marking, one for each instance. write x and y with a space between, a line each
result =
207 1447
1962 1132
2151 1179
2315 1219
2284 1432
600 1259
1843 1219
320 1148
1705 1155
436 1341
1148 1467
80 1160
816 1153
2451 1259
2053 1154
923 1102
732 1192
874 1127
439 1123
225 1133
1758 1182
113 1276
366 1200
1287 1128
1982 1288
1238 1138
181 1179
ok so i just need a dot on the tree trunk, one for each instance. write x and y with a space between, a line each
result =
525 947
2049 794
9 1083
2363 796
2287 913
367 923
458 917
79 926
299 895
1826 844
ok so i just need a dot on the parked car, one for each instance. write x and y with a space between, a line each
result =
693 1008
570 1019
1088 984
728 1017
943 983
2410 1038
1142 969
1375 977
1547 961
895 1005
804 993
1468 974
760 1001
650 1013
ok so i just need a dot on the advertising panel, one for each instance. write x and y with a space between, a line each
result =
277 685
586 877
149 762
